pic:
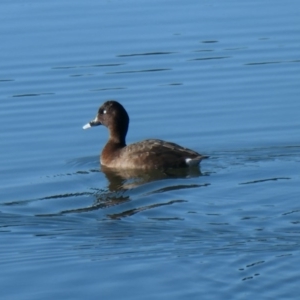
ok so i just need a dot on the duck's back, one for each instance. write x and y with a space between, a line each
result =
151 154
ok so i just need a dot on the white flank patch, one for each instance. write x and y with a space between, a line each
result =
87 126
192 162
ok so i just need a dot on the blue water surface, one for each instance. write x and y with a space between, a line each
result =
219 77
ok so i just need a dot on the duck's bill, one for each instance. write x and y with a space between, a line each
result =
87 126
92 124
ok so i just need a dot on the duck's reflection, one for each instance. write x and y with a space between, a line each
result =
120 182
126 179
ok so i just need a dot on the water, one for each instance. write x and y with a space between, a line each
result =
219 77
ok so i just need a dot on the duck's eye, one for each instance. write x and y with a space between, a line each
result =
102 111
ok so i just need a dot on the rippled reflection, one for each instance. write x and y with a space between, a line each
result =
130 178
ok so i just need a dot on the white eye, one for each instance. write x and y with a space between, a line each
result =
104 111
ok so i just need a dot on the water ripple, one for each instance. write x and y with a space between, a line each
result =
139 71
145 54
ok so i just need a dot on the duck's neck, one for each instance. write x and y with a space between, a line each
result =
112 149
117 137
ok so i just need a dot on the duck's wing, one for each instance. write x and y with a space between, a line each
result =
162 154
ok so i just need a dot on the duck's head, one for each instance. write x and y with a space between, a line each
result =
112 115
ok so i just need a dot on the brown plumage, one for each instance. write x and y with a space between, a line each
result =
147 154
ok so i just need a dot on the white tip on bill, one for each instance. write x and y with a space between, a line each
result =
86 126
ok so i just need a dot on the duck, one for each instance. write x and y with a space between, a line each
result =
147 154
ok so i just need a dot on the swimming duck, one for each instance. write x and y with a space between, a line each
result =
147 154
